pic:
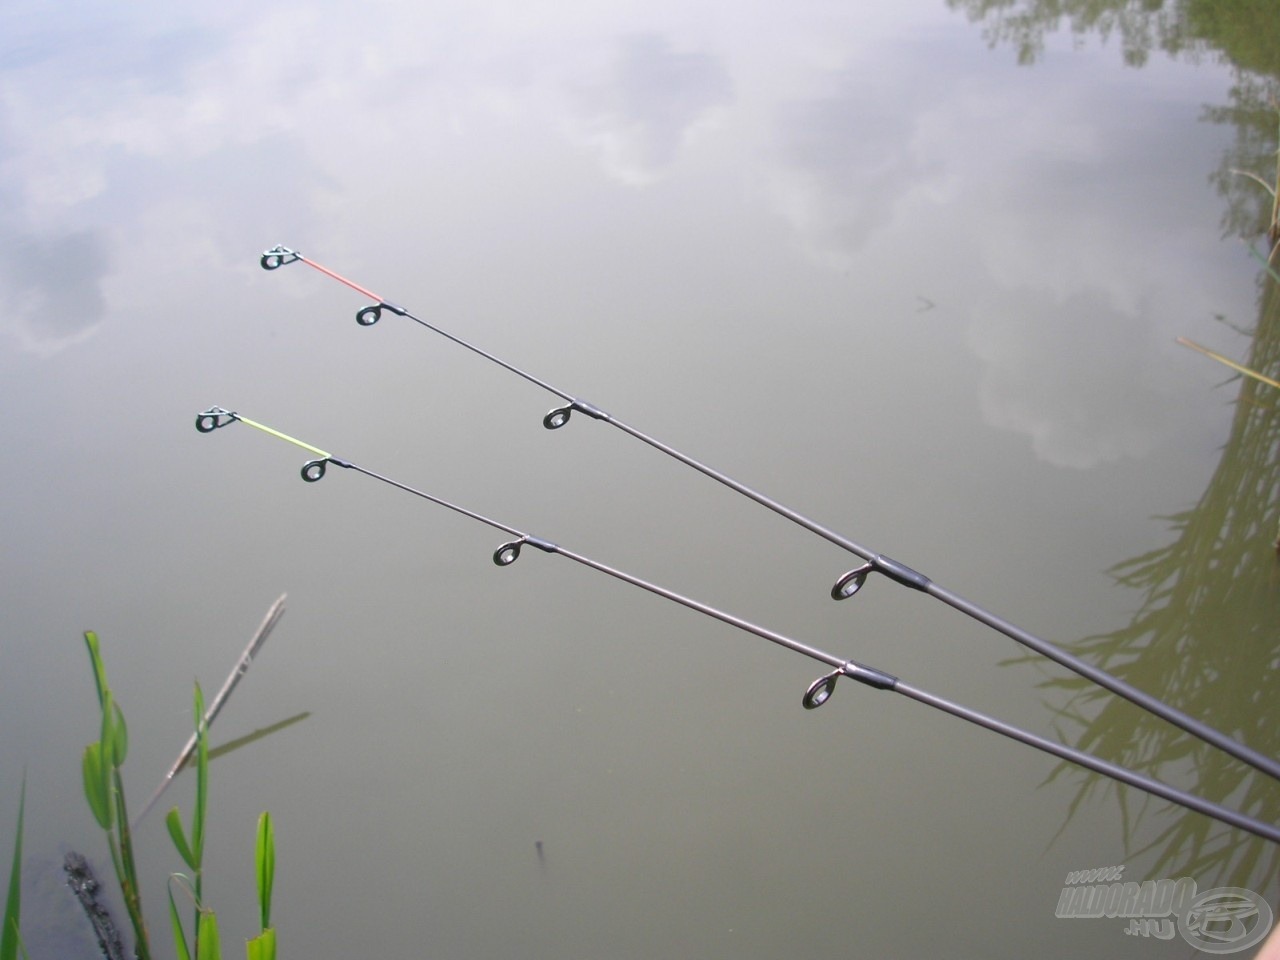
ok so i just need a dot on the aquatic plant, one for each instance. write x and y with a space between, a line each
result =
263 946
104 792
10 939
206 943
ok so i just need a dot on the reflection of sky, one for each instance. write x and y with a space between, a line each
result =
846 253
54 287
1006 178
639 113
266 119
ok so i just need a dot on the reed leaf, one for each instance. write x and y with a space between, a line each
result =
99 670
266 866
175 921
95 785
173 820
130 886
207 945
198 817
119 736
107 738
104 791
255 735
263 946
10 936
202 779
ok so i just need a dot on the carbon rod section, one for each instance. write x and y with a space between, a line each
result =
1116 772
896 571
217 417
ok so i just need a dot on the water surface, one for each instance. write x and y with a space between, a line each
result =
863 259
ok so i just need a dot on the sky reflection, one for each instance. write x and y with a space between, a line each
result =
247 120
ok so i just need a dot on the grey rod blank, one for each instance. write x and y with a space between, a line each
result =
509 552
279 256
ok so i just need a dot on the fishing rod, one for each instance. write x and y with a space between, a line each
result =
818 692
848 583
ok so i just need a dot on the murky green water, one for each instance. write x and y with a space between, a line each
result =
916 271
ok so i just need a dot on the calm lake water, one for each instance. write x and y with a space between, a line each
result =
915 270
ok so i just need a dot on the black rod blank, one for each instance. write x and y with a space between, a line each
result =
850 582
818 692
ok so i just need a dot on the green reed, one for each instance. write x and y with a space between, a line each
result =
10 938
104 793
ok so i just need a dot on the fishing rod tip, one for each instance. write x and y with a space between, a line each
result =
209 420
278 256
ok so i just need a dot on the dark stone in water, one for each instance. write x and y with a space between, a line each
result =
84 885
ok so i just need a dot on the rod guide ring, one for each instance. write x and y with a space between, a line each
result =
851 582
508 553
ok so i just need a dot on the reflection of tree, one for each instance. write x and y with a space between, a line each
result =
1240 29
1207 636
1250 210
1141 25
1206 639
1244 34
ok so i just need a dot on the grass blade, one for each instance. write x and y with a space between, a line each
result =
266 863
174 822
99 670
207 945
95 785
9 937
119 736
263 946
202 780
179 935
259 734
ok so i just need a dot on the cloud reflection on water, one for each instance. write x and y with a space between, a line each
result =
651 100
283 118
1049 200
53 288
